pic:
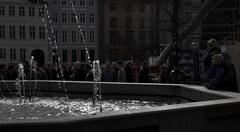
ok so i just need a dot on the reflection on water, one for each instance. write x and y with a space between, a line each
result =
53 108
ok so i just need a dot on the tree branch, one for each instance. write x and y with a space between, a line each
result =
207 7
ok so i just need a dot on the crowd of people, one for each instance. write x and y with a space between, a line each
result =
111 72
220 72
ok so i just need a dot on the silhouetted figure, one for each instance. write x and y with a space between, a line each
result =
115 69
80 74
41 74
121 74
177 76
222 75
144 74
12 73
128 70
3 72
108 74
166 69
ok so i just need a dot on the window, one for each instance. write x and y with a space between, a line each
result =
23 54
21 11
151 37
32 32
64 36
82 37
64 17
128 22
12 54
22 32
2 32
142 8
142 23
64 3
142 37
31 11
2 53
2 10
83 55
74 36
11 10
151 23
55 17
91 3
92 54
82 3
129 7
113 22
41 11
42 32
73 18
54 2
74 55
82 18
91 18
92 36
113 6
151 9
73 2
64 56
114 37
12 31
129 37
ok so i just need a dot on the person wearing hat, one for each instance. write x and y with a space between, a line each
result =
212 49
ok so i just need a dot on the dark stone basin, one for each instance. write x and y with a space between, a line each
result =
205 111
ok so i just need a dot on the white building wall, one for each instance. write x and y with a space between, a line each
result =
56 7
17 43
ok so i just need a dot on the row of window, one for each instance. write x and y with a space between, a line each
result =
23 31
12 53
76 36
142 8
115 39
21 11
76 3
75 55
72 18
129 22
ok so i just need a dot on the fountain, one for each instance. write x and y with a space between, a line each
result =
126 107
97 94
79 106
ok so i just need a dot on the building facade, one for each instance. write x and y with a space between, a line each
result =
75 25
129 29
22 32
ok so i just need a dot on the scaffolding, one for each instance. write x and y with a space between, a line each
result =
223 22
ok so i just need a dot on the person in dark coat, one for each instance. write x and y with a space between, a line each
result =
144 74
108 74
3 72
121 74
128 70
12 73
177 76
213 49
80 74
115 70
222 75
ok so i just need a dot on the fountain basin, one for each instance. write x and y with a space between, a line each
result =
48 108
209 111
